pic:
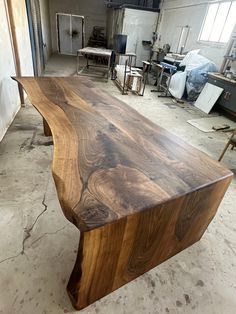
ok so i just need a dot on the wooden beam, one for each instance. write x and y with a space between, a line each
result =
15 48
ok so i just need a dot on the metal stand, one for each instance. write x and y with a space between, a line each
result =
130 73
160 87
146 69
89 51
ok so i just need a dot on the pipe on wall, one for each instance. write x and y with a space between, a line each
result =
188 5
135 4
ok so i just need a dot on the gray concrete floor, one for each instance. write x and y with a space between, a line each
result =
38 245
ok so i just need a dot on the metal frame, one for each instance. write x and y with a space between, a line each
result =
80 71
226 60
163 88
31 34
160 87
57 30
36 37
128 64
146 69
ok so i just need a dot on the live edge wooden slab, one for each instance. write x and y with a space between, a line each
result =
137 193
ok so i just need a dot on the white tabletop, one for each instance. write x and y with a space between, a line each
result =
96 51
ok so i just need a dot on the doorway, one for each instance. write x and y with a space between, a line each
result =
70 33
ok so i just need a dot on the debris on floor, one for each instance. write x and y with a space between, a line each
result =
212 124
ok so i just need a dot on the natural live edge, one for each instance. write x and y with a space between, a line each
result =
131 187
61 154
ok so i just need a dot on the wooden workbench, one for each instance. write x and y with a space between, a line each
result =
137 193
227 100
97 52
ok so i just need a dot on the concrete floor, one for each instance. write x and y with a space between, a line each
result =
38 246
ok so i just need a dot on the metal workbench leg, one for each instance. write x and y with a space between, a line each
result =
77 63
87 62
108 67
124 82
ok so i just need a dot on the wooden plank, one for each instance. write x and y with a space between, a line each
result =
131 187
15 49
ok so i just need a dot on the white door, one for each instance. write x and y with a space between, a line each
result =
70 33
64 34
77 33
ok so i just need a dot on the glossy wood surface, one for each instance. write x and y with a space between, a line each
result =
137 193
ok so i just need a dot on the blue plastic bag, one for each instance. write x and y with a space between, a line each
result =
197 79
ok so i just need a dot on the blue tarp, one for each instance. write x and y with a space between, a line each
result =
197 79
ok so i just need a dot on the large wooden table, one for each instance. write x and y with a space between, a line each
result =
137 193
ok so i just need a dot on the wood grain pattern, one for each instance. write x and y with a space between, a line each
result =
137 193
46 128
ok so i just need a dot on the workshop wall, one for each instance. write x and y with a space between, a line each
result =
94 12
9 96
177 13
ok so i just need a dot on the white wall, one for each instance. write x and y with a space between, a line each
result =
176 13
9 96
94 12
46 28
9 99
23 39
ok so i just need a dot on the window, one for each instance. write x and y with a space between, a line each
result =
219 22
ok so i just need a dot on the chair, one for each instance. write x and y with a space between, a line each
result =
232 141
